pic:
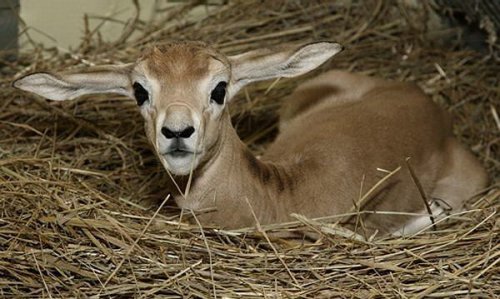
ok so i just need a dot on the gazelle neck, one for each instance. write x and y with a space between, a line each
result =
235 181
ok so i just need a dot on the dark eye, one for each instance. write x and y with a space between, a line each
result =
141 95
219 93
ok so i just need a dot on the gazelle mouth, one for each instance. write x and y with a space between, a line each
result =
179 153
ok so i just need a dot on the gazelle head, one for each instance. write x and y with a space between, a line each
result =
182 90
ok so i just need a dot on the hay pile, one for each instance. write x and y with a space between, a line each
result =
72 174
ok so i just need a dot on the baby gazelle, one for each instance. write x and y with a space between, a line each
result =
341 134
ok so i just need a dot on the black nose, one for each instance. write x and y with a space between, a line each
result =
177 134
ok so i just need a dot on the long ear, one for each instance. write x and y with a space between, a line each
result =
69 85
288 61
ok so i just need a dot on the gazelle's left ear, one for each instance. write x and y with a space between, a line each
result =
287 61
70 85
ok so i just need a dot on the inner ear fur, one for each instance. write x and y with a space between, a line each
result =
69 85
282 61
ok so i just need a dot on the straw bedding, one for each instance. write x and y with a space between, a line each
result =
82 210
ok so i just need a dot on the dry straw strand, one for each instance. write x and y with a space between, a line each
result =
81 191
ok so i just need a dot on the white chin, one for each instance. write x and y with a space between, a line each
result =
180 165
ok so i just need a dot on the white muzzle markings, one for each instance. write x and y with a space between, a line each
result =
177 133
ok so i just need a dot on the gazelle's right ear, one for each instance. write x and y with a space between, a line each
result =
70 85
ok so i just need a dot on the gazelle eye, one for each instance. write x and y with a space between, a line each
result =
141 95
219 93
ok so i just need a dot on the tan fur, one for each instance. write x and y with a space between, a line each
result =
181 61
327 152
340 128
336 132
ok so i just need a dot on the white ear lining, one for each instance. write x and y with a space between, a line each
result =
111 79
288 62
46 85
309 57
